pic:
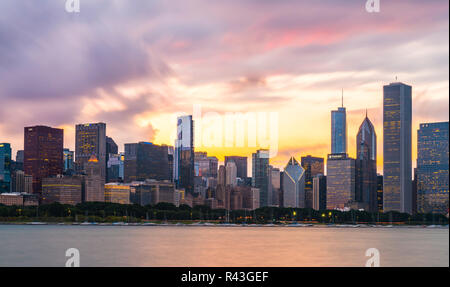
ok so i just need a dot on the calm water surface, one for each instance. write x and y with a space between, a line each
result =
221 246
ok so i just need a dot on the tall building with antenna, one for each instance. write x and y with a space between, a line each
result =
340 167
339 129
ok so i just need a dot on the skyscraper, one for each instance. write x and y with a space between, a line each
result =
397 177
340 181
366 165
339 130
5 167
260 175
241 164
115 167
320 192
90 139
275 180
294 185
432 168
19 156
68 159
313 166
231 173
111 150
94 182
184 154
43 153
145 160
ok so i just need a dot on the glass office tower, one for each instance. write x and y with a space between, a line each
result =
294 185
432 168
366 165
183 172
339 131
5 167
397 170
260 175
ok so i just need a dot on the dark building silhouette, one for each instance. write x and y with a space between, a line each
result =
145 160
366 166
313 166
43 154
111 149
260 175
379 193
320 192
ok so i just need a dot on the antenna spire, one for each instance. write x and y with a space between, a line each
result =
366 112
342 98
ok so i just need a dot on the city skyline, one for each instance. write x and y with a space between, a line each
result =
290 63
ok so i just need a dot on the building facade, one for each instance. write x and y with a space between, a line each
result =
184 154
145 160
231 174
339 131
319 192
94 182
5 167
397 169
260 175
313 166
117 193
432 168
90 140
366 166
68 156
19 199
379 193
340 181
241 164
64 190
294 185
43 154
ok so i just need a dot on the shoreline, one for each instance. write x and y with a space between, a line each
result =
208 224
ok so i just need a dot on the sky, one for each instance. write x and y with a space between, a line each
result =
137 65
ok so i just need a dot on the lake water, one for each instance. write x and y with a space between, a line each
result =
22 245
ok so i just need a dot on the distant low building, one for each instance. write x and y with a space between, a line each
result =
19 199
21 182
151 192
117 193
64 190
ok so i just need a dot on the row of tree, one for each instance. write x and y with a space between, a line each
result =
110 212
